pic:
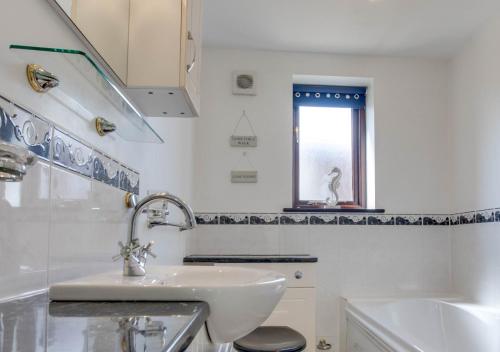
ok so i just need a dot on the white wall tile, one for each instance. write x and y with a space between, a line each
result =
24 231
475 130
88 220
354 261
476 263
163 167
71 228
294 239
236 239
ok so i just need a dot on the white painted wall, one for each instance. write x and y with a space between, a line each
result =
475 127
475 124
411 174
411 155
24 236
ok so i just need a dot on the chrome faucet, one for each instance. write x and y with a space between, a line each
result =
133 253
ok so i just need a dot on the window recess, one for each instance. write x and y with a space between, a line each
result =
329 130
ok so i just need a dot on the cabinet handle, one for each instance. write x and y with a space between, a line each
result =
190 66
298 274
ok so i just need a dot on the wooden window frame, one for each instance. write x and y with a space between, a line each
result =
358 158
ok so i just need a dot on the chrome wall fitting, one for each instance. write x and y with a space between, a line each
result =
40 80
14 162
103 126
130 200
323 345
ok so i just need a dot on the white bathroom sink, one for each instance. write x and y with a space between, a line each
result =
240 299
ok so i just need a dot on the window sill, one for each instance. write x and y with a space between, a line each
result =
333 210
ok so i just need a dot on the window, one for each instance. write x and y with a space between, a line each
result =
329 131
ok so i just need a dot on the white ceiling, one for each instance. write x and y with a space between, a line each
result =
371 27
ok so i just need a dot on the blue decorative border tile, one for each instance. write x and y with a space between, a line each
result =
71 153
234 219
264 219
294 219
352 220
207 219
467 218
484 216
408 220
129 180
481 216
106 169
19 126
323 219
441 220
381 220
455 219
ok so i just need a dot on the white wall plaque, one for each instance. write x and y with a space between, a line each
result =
243 141
243 176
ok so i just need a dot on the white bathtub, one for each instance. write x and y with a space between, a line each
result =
424 325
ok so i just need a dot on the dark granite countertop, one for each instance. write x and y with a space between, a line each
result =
300 258
34 324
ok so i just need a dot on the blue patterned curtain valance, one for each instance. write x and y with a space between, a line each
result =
332 96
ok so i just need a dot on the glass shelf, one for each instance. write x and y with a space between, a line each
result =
88 91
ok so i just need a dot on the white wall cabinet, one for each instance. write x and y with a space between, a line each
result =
96 17
164 56
151 48
297 308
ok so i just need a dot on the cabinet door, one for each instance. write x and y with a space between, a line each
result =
297 309
192 42
105 24
154 45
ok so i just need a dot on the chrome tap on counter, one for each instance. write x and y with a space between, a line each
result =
133 253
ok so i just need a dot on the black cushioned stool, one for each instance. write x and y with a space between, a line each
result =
271 339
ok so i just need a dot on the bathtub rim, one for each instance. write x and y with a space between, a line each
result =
376 331
385 335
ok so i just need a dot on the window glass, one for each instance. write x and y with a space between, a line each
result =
325 142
